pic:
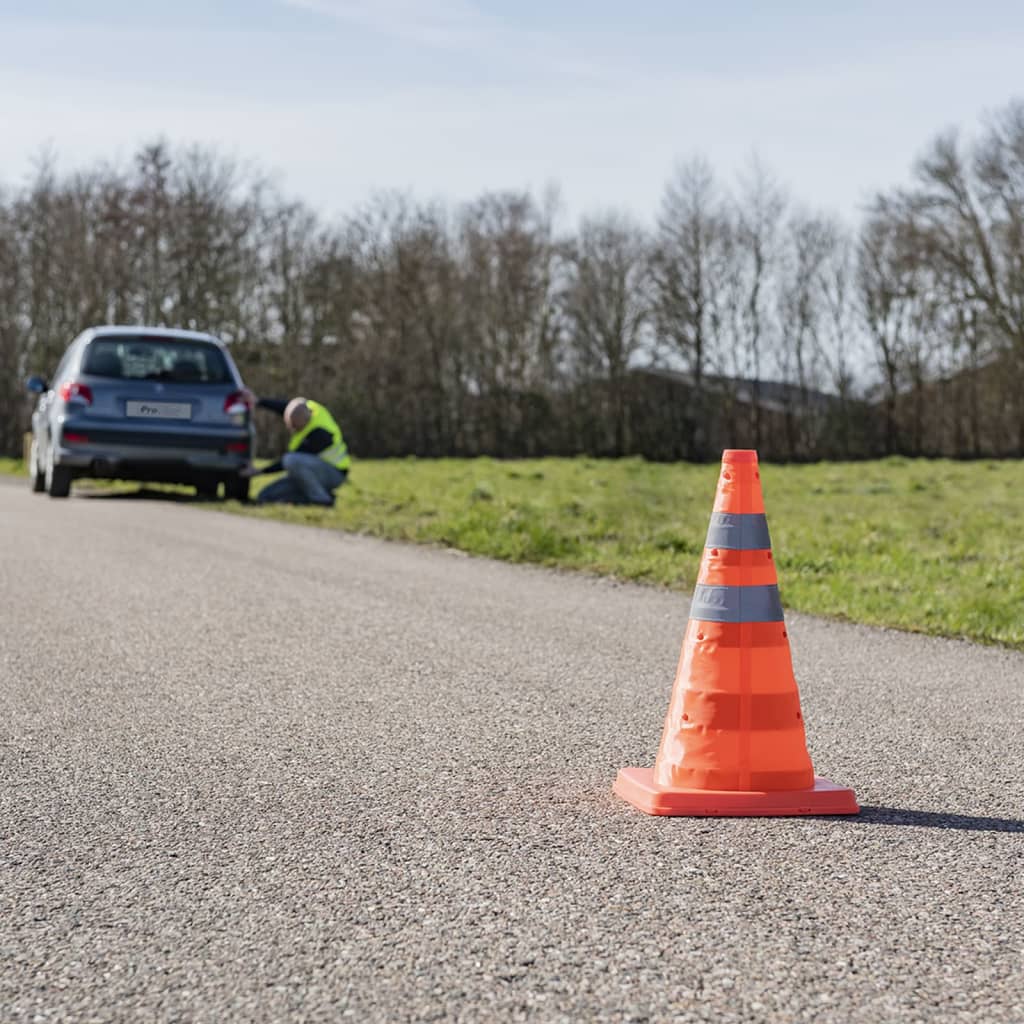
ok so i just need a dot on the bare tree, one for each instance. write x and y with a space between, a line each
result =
900 308
152 215
608 302
753 316
970 208
689 265
837 339
691 262
13 348
510 270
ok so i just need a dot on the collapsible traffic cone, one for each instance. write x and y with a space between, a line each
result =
734 737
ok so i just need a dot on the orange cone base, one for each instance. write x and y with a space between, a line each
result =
637 786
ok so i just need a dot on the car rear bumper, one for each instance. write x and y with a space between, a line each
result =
151 454
105 463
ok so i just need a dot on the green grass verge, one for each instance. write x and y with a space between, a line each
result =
930 546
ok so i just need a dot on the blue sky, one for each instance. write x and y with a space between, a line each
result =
341 97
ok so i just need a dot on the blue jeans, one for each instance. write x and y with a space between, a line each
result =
308 480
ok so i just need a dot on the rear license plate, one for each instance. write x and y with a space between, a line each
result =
159 410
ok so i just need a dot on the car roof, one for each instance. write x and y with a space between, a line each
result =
141 331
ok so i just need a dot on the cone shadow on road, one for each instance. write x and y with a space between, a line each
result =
934 819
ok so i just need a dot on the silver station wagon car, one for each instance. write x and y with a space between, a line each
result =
141 403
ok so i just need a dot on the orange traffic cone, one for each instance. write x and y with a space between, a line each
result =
734 740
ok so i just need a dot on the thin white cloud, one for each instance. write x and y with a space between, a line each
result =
460 27
446 24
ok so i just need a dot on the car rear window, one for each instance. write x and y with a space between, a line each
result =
141 358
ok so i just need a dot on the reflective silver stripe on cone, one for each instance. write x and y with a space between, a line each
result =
736 604
736 532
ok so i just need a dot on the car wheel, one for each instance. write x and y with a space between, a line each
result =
58 479
36 475
237 488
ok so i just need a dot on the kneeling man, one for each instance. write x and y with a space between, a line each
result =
317 461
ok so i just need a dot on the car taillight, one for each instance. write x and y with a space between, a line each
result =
71 438
236 403
237 447
72 391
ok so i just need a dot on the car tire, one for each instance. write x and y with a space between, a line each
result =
36 475
237 488
58 481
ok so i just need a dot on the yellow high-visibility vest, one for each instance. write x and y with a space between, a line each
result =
336 453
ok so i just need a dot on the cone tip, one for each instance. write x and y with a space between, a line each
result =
733 456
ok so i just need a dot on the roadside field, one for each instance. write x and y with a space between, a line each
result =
925 545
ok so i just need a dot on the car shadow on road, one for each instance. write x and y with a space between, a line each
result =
141 494
875 815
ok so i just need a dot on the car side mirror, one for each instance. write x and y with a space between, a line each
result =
37 385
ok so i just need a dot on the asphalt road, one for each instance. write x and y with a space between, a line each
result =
259 772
